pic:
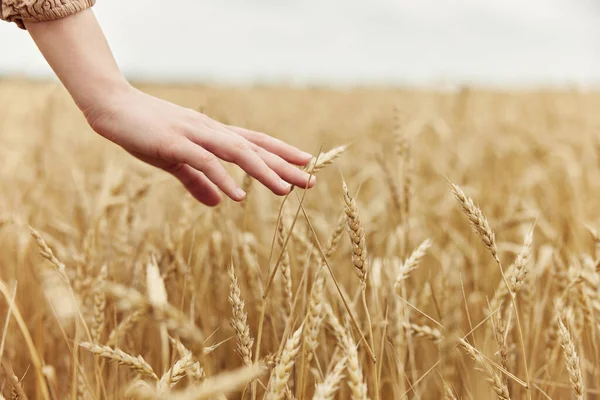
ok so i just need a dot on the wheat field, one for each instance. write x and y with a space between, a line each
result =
449 250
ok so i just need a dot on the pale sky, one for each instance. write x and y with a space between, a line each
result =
415 42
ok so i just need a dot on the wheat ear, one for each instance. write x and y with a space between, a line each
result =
357 236
522 263
412 262
286 271
239 322
571 359
176 373
478 221
326 390
317 164
358 388
425 331
137 364
99 305
281 374
484 366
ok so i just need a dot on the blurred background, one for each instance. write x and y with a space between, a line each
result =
351 42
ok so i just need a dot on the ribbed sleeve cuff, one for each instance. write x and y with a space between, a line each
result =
35 14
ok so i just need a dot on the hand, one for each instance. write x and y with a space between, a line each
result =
189 144
181 141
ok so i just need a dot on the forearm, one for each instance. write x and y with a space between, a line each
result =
77 50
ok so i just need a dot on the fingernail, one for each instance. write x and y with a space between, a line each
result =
307 155
284 185
313 180
240 194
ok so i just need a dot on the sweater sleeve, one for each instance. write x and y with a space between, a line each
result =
20 11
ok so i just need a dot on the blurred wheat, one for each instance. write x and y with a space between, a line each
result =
124 287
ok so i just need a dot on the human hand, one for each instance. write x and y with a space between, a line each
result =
189 144
181 141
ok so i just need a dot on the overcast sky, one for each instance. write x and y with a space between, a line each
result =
493 42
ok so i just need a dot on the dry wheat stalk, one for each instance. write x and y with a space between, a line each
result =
175 373
390 180
82 389
47 253
335 237
326 390
314 316
324 159
358 388
451 317
282 371
357 236
478 221
571 359
412 262
484 366
137 364
99 305
500 336
16 392
522 263
217 386
195 371
425 331
448 393
397 332
252 270
175 320
239 322
286 271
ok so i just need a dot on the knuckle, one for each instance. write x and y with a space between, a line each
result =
240 146
239 150
207 160
169 149
175 168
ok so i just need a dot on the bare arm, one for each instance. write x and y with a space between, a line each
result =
178 140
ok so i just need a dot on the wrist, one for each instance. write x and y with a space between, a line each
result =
99 93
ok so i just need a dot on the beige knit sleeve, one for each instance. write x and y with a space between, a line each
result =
21 11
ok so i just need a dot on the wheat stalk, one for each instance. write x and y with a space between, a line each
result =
571 359
357 236
99 305
521 263
282 371
239 322
484 366
286 271
412 262
175 373
316 164
326 390
500 336
425 331
358 388
137 364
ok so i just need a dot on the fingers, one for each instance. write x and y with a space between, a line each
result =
235 149
286 151
197 184
285 170
195 156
